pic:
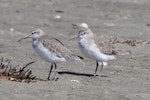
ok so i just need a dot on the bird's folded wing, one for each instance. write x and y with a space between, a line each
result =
55 46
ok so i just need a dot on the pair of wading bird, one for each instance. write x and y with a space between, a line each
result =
53 50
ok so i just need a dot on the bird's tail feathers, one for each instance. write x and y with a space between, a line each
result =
111 57
79 59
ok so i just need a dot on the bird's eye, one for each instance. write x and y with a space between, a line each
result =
82 33
33 32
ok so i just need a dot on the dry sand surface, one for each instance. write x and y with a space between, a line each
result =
127 79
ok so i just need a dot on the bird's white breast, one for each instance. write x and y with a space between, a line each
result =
46 54
91 50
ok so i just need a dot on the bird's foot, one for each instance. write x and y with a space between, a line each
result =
55 79
97 75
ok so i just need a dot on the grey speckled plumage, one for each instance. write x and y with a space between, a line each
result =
56 47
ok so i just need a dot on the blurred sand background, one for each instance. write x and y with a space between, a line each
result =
127 79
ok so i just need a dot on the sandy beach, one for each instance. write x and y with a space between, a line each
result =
125 78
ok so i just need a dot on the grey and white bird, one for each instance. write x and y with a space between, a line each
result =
50 49
95 47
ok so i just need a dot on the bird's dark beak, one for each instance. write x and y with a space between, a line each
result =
24 37
73 38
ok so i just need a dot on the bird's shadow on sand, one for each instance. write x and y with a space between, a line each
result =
78 74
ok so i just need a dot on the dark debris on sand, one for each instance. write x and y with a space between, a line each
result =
17 73
130 42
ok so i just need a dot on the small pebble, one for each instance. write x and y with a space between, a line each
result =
12 79
11 29
57 17
75 81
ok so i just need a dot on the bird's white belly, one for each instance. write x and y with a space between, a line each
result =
92 51
86 51
47 55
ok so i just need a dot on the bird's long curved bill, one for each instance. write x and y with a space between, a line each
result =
24 37
73 38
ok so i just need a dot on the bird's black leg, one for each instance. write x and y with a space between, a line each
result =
96 68
55 78
50 71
